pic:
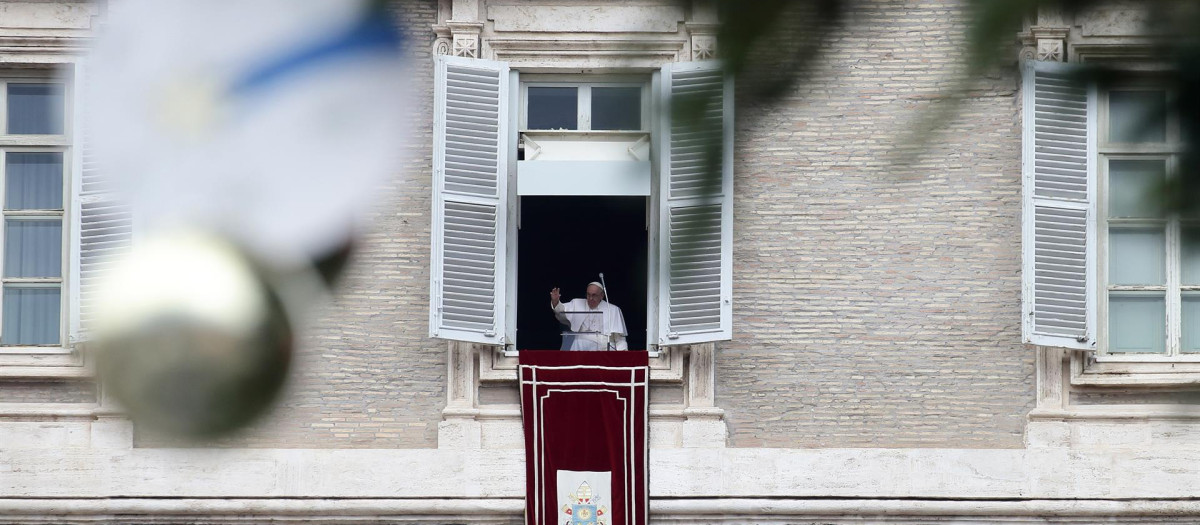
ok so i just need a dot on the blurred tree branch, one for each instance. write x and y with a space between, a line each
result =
777 42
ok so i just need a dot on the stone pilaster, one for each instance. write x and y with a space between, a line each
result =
704 426
458 28
459 428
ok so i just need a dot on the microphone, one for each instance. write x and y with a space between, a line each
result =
605 285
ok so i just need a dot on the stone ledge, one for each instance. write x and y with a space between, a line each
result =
508 510
954 474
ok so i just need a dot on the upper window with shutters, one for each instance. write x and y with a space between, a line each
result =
1107 267
546 180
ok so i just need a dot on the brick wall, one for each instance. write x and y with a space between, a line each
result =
875 304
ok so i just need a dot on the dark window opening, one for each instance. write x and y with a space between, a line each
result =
566 242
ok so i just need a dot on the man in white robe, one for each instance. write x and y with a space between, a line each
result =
601 323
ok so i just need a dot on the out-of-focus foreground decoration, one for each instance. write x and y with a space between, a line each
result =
778 43
247 138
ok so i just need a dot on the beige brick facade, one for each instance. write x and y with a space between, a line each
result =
876 371
875 305
878 304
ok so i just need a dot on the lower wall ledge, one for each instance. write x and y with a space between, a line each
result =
662 510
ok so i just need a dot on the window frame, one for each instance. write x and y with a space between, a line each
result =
1168 151
464 87
584 83
506 354
45 143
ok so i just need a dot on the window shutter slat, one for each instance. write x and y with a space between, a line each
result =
1058 165
102 225
470 185
696 192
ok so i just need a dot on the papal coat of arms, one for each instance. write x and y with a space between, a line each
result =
584 508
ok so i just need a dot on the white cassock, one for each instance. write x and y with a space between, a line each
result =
609 325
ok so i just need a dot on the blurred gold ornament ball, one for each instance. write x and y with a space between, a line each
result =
189 336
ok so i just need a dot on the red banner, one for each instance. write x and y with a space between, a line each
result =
585 416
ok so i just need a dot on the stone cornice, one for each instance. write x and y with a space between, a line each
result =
702 28
464 27
1030 37
1140 52
566 53
67 45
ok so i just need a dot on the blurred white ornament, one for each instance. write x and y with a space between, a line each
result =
266 125
274 122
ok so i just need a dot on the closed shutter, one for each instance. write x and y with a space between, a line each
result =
696 204
1058 244
470 185
102 226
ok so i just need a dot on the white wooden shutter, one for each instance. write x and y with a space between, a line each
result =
102 226
695 231
470 185
1059 223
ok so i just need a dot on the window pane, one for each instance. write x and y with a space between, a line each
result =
35 109
1137 116
33 248
617 108
1136 256
1190 253
34 181
31 316
553 108
1136 323
1134 187
1191 323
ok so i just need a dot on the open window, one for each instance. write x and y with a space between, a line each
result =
566 242
560 178
60 225
1107 268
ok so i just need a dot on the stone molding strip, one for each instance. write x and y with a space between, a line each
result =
505 510
1145 472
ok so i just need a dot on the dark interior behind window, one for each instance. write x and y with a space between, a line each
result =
566 242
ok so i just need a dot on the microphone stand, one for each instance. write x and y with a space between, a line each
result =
604 288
